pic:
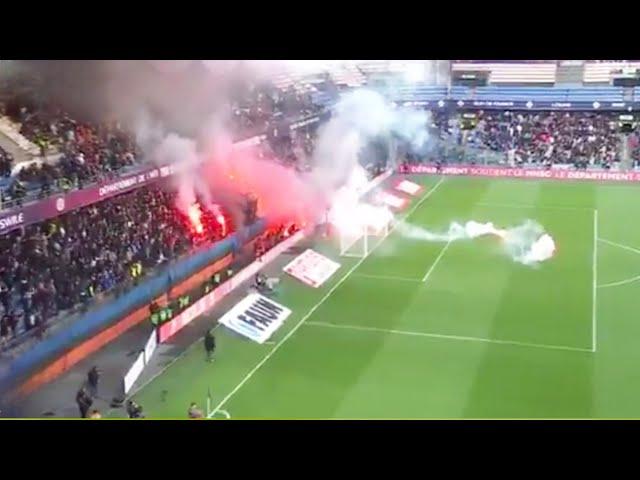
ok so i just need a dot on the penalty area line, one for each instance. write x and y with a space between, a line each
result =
624 247
271 352
433 266
621 282
449 337
619 245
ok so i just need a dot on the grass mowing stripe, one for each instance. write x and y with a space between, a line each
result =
449 337
322 300
594 320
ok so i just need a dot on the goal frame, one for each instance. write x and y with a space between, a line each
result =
347 243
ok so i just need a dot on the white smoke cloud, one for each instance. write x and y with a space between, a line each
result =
527 244
359 117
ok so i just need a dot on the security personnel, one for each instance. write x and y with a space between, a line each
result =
134 410
209 345
183 302
154 310
166 314
84 401
65 184
93 377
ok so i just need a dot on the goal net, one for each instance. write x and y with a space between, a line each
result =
357 243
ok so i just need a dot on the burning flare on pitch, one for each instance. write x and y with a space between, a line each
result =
528 243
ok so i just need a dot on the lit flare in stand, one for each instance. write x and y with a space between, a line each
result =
195 215
220 218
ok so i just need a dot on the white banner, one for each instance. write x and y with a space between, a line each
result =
256 317
150 346
409 187
312 268
391 200
133 373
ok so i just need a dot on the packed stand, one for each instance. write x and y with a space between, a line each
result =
56 265
6 164
91 152
540 138
292 148
634 147
254 110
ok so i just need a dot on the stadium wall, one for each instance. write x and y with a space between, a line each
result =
100 326
63 203
527 173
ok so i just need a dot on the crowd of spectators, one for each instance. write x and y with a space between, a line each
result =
293 148
261 105
543 138
90 152
6 163
65 262
56 265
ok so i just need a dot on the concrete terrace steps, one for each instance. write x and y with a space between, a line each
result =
15 143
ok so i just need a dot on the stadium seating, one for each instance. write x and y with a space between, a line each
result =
601 71
69 261
542 137
540 94
512 72
87 153
145 229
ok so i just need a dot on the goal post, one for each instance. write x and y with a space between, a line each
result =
354 244
358 243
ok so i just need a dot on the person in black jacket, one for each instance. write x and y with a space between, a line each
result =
209 345
134 410
93 377
84 401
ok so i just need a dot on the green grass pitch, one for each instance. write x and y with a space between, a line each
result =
481 337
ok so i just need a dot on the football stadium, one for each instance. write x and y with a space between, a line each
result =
319 239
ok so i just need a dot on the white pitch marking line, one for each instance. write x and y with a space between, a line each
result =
624 247
448 337
619 245
224 413
322 300
387 277
594 324
433 266
523 205
621 282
